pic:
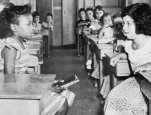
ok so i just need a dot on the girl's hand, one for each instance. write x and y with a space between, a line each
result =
57 89
114 61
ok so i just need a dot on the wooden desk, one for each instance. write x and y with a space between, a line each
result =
103 51
89 39
122 68
78 33
21 94
47 38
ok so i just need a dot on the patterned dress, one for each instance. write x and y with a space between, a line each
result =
23 58
51 102
127 98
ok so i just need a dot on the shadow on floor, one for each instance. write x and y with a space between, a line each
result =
65 63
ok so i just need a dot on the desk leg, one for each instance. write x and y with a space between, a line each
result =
100 69
78 44
46 46
149 107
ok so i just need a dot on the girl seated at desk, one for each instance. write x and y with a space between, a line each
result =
82 22
105 35
48 23
14 51
15 58
127 98
95 26
107 31
96 21
36 22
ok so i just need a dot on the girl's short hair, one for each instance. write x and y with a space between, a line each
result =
10 15
81 10
106 14
100 8
89 9
141 14
35 13
49 14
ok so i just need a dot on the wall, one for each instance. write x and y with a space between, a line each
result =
22 2
111 6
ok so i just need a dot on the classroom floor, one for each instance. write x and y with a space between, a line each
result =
65 63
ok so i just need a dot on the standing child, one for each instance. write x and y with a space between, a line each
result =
48 23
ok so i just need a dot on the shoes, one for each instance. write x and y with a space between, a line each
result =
95 83
88 64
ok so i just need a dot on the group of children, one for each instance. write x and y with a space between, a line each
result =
133 26
107 27
46 24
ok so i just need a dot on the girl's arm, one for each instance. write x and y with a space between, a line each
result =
116 58
144 67
106 39
9 55
106 35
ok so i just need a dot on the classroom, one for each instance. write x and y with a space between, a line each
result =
75 57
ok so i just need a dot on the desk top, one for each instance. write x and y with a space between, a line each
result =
95 38
105 46
146 75
25 86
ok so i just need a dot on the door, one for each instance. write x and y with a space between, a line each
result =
68 21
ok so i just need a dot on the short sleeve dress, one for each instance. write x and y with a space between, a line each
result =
127 98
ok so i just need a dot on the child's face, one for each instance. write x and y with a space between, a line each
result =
107 21
82 15
99 14
49 19
25 29
129 27
89 14
37 19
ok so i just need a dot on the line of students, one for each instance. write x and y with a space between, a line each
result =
128 98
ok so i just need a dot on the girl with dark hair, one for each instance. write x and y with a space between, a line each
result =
36 22
48 23
98 13
82 22
127 97
15 56
13 46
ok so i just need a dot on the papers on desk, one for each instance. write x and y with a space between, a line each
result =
67 83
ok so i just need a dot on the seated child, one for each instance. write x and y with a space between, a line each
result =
15 58
107 32
36 22
95 25
82 22
48 23
98 14
14 51
94 28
